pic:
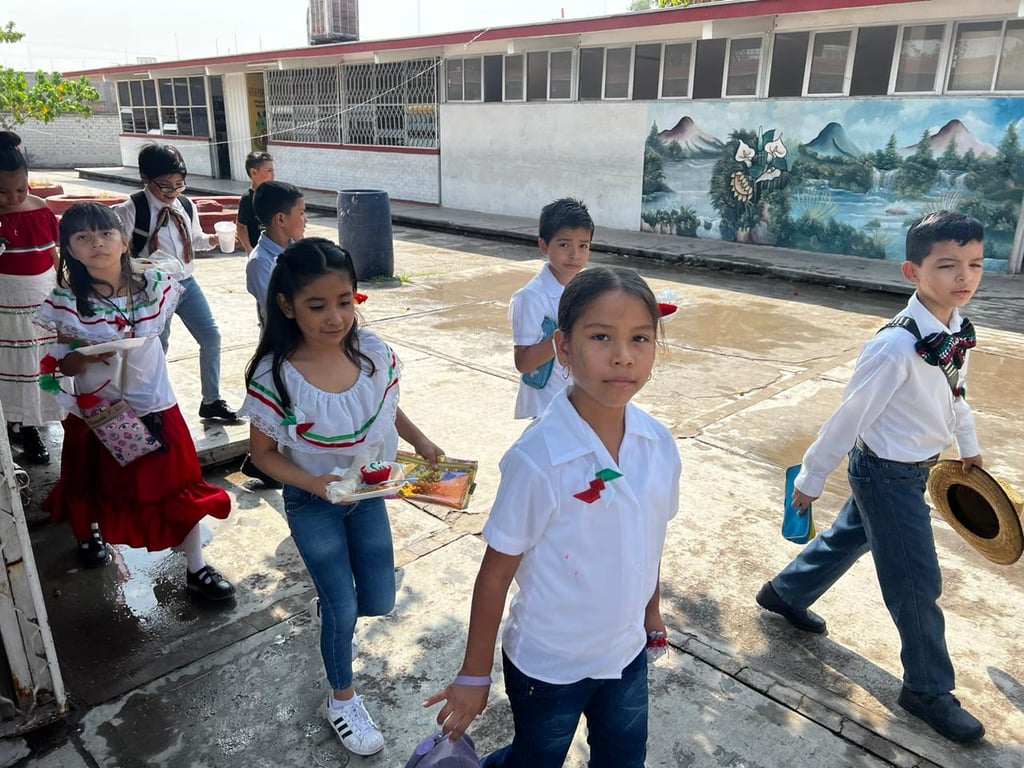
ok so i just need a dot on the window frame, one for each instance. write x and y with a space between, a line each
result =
999 64
943 65
572 71
758 78
952 38
159 108
691 44
462 60
504 77
629 76
851 49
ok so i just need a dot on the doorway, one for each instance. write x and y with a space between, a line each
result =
221 153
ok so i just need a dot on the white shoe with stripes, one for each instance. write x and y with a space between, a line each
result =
354 726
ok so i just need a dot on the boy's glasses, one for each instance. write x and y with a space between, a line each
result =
168 189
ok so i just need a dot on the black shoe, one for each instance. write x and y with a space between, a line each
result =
32 446
801 618
207 583
944 714
93 552
217 410
249 469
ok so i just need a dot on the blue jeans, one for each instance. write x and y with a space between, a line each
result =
349 556
887 516
194 311
546 716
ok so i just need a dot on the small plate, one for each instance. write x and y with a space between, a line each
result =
112 346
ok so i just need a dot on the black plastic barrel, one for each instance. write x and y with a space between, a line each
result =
364 230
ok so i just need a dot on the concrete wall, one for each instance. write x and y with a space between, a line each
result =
196 152
515 158
410 176
71 141
236 114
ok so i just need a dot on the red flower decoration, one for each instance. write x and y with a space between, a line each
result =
121 323
49 365
360 298
87 401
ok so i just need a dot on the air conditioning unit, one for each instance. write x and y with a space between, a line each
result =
332 21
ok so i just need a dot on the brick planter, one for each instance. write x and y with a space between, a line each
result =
60 203
45 190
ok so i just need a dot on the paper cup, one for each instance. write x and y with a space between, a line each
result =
225 235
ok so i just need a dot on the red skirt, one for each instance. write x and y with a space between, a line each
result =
153 502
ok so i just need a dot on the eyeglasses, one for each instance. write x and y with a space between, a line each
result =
170 190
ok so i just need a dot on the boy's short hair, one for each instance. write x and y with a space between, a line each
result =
566 213
255 160
160 160
939 227
272 198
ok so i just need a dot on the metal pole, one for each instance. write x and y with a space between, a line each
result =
1017 251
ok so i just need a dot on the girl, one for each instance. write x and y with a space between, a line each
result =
157 500
579 521
323 394
28 255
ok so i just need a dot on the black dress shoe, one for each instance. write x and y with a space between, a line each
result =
32 446
801 618
944 714
93 552
207 583
217 410
251 470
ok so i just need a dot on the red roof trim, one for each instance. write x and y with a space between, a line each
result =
701 12
358 147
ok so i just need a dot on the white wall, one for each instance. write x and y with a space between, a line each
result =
71 141
515 158
196 152
236 114
404 176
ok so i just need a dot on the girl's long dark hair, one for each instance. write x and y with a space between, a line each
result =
592 283
71 273
301 263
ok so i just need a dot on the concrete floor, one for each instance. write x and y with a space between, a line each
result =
752 369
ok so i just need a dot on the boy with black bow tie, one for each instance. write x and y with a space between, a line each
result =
904 405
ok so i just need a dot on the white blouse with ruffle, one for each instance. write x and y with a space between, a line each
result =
320 431
147 385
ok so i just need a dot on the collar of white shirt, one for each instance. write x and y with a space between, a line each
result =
567 436
552 287
927 323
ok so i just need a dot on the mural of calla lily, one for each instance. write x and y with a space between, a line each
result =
745 153
776 148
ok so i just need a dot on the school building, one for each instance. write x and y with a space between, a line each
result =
824 125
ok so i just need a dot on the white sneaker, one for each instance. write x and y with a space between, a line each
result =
318 620
354 726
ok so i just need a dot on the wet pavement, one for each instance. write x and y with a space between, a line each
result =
753 366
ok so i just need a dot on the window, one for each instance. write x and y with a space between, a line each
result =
493 77
304 105
616 73
789 61
464 79
646 71
591 72
675 77
975 53
920 48
829 55
138 106
514 78
744 64
872 61
1011 64
560 79
393 104
537 76
709 68
183 106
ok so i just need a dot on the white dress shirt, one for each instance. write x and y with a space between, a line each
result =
529 306
588 570
898 404
168 238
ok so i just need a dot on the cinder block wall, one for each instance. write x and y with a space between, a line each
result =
72 141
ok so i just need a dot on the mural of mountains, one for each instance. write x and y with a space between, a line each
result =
965 140
691 140
832 141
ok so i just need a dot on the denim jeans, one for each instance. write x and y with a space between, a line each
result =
546 716
887 516
195 313
349 556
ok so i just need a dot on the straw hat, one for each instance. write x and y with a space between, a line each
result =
983 510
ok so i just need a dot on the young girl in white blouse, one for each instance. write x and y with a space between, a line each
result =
323 394
157 500
579 521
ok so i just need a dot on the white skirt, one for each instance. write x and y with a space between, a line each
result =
22 345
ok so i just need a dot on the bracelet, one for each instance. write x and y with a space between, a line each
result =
480 680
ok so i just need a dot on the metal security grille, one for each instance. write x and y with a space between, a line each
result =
392 104
303 105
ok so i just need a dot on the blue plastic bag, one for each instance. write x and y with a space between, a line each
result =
440 752
538 379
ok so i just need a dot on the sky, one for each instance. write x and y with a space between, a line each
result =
64 35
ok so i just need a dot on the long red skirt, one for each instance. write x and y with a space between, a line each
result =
153 502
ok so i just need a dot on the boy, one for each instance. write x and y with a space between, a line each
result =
566 230
281 209
904 405
260 167
160 217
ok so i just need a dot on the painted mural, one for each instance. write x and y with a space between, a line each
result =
837 176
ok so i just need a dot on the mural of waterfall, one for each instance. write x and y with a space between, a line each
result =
855 172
